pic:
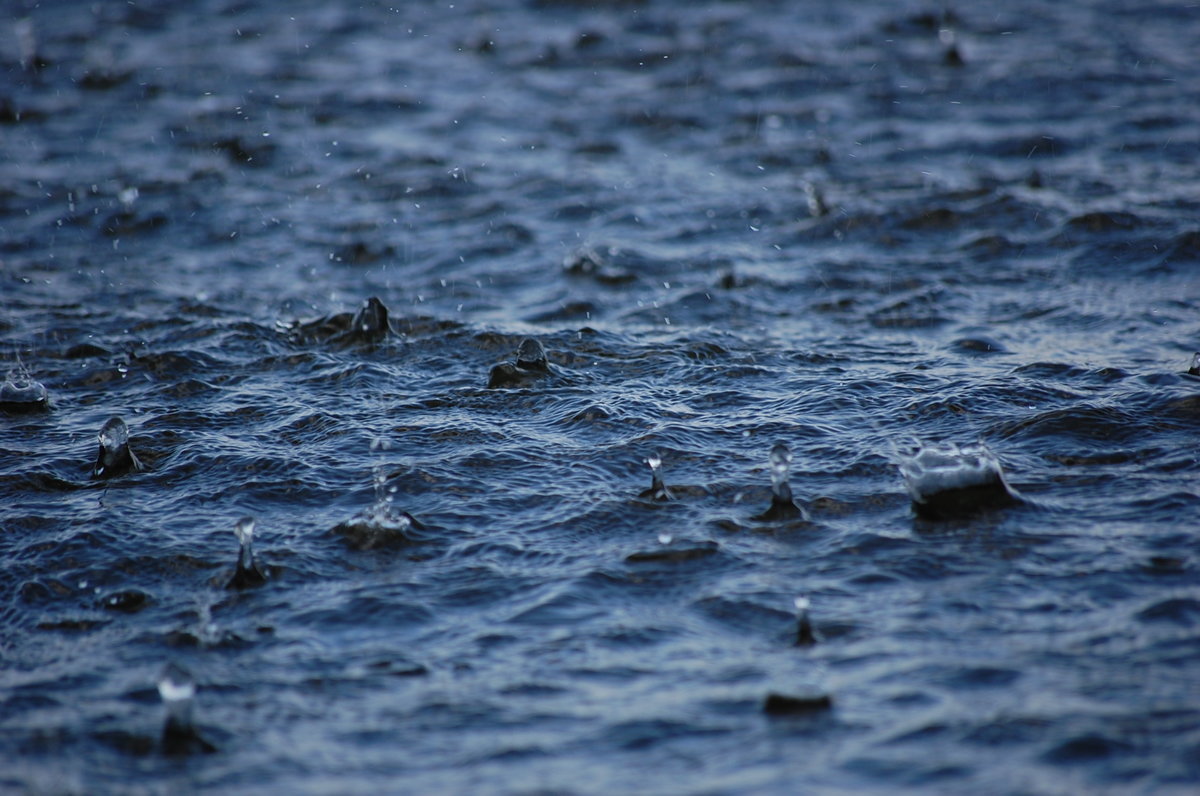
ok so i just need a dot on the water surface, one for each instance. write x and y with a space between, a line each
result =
849 228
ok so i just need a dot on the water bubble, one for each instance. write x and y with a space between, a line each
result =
665 539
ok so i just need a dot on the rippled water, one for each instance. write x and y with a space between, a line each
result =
854 228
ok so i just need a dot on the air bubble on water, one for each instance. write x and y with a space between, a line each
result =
127 196
665 539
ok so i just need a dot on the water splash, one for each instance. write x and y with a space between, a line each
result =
805 635
20 392
783 506
530 364
658 489
371 320
781 465
381 525
114 457
532 356
946 480
177 688
248 574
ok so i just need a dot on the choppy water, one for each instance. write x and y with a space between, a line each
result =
730 224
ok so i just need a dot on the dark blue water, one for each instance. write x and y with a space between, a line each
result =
856 228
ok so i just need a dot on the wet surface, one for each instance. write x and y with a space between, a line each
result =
849 229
